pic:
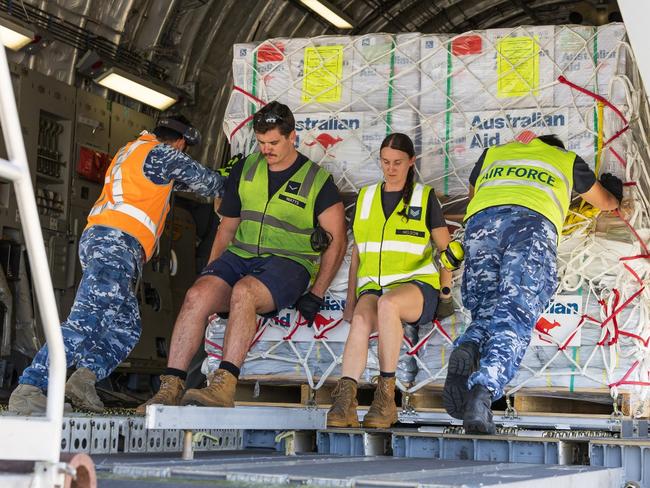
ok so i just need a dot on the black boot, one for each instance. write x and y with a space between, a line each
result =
463 361
478 412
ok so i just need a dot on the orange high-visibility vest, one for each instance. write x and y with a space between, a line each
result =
130 201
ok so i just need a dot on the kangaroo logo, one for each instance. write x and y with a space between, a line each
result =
326 141
544 327
321 321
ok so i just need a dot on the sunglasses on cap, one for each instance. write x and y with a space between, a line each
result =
269 117
191 134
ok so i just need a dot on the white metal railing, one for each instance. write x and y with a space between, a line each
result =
37 439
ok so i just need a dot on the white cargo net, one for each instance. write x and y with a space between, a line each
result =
455 96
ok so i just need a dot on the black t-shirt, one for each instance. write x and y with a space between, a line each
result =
583 177
231 203
391 199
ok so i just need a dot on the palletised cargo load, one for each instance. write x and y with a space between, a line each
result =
593 335
454 95
453 141
285 348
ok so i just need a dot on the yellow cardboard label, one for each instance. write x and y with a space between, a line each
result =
517 67
322 75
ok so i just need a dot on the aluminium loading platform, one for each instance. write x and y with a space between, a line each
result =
275 445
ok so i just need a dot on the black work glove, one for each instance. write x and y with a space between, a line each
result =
445 307
226 168
309 305
612 184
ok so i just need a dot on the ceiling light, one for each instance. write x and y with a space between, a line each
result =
138 88
330 13
14 35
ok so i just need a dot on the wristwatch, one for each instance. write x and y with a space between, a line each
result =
445 290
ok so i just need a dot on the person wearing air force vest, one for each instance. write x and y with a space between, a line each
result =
519 197
392 279
280 242
122 233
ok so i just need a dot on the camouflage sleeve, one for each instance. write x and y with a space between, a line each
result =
165 164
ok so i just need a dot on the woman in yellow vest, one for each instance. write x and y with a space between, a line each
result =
392 279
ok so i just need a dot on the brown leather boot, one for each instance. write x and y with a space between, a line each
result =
170 393
220 391
343 412
383 411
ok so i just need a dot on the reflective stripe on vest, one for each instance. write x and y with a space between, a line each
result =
253 249
393 250
270 220
539 186
397 246
114 181
390 279
144 201
535 175
129 210
279 224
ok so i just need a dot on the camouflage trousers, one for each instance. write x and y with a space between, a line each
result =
509 279
104 323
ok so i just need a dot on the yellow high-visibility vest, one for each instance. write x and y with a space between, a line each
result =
394 250
535 175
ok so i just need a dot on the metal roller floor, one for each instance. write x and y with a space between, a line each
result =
264 468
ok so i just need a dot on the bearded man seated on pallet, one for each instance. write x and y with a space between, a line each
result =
281 240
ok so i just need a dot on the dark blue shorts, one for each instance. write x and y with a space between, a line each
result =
430 295
286 279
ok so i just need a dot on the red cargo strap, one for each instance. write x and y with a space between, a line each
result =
250 117
436 325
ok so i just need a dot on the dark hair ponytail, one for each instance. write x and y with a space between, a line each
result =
407 192
403 143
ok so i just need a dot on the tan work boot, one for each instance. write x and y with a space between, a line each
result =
383 411
169 393
27 400
30 400
80 390
343 412
220 391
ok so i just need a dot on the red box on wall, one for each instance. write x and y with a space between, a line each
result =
92 164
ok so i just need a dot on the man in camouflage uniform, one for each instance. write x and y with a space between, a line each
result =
519 196
104 323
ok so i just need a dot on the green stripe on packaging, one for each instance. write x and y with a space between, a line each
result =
595 58
254 85
389 114
575 355
573 368
448 118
